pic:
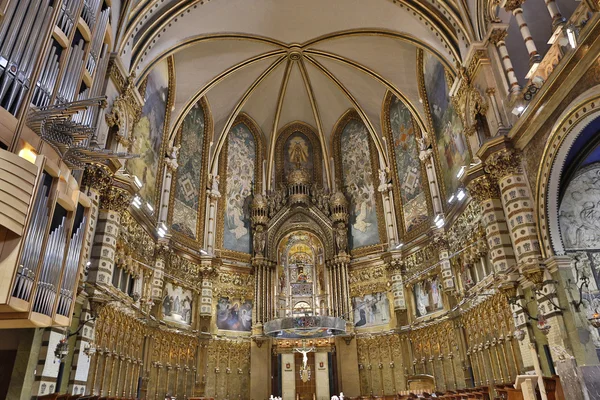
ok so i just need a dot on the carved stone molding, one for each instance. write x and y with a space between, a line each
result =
503 163
483 188
498 35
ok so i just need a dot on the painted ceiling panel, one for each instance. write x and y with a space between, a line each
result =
296 103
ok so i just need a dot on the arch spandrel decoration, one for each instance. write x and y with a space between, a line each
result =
148 137
314 161
446 130
188 199
240 170
411 193
352 145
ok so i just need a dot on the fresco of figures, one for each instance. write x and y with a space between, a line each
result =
579 214
234 314
241 161
177 304
187 187
147 136
451 143
358 182
408 165
298 152
371 310
428 296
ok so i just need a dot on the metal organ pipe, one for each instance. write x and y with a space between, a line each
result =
72 75
97 40
19 45
71 269
32 247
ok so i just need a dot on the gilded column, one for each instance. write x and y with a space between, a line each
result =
497 38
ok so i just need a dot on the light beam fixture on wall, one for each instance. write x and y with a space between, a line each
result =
203 252
138 182
461 172
399 245
28 154
149 207
572 37
460 195
451 199
161 230
137 201
439 221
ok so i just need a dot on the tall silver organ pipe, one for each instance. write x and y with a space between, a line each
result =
20 44
89 12
71 269
47 81
32 247
88 116
67 17
72 75
51 268
97 40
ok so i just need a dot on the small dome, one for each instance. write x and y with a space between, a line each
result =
299 175
259 201
338 199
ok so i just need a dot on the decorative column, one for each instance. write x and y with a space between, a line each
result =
485 192
171 166
262 265
338 265
514 6
158 277
491 92
497 38
557 18
385 188
113 202
213 196
396 269
426 157
441 242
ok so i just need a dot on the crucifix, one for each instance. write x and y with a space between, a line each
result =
305 370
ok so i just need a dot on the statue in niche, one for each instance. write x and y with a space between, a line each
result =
341 238
259 240
171 159
214 188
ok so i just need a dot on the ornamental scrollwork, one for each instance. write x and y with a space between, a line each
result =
234 285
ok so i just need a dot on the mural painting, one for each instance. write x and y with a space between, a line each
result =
241 161
177 304
358 182
579 214
187 188
234 315
452 147
371 310
147 136
298 152
428 296
408 165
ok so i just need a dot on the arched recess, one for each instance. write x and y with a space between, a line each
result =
412 200
584 111
241 175
353 147
303 220
306 134
188 198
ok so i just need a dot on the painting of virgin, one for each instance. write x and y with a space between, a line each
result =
187 187
234 315
241 160
450 141
298 152
147 136
358 183
408 165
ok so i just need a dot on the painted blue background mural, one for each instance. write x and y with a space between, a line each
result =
408 165
449 133
234 315
185 209
357 175
241 161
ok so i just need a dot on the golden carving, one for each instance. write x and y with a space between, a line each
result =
503 163
483 188
115 199
133 243
497 36
234 285
283 136
368 280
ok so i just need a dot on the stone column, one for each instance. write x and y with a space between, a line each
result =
171 167
112 203
426 157
441 243
396 269
557 18
497 38
485 192
158 278
385 188
491 92
212 197
514 6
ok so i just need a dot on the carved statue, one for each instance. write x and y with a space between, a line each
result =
341 238
383 180
215 184
171 159
422 144
259 240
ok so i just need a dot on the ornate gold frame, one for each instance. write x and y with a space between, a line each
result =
348 116
387 132
208 122
282 137
242 118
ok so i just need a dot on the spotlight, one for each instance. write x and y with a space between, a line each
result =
203 252
137 201
572 38
461 172
149 207
28 154
439 221
161 230
451 199
399 245
87 264
460 195
137 181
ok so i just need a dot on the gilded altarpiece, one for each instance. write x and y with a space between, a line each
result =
382 364
411 193
298 145
240 167
356 173
189 179
227 369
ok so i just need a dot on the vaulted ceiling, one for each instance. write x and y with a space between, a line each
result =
281 61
